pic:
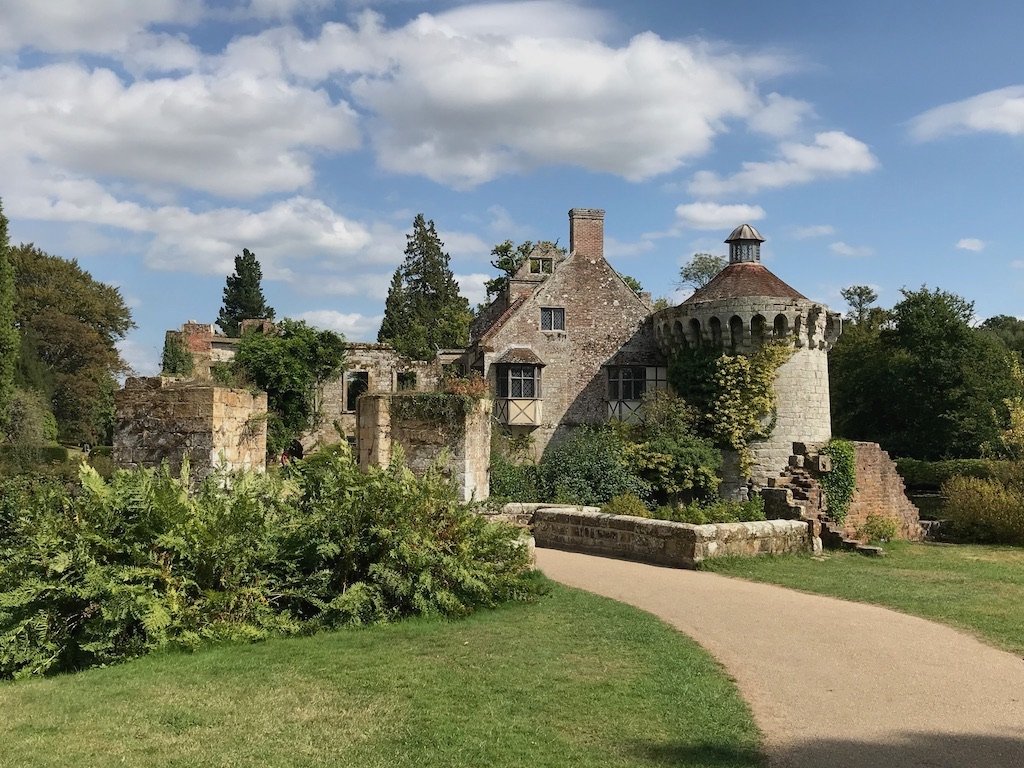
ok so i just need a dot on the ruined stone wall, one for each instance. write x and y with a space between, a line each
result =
463 446
586 529
880 491
159 419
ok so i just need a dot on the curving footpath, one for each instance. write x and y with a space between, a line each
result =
832 683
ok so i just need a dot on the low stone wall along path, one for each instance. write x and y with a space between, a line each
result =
832 683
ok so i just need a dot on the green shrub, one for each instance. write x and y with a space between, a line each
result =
840 484
715 511
514 482
878 529
116 569
930 475
626 504
589 468
987 511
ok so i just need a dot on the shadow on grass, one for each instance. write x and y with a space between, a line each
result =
906 750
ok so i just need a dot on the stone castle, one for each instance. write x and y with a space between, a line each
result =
568 343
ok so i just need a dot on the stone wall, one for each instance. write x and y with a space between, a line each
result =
880 491
463 447
382 366
159 419
586 529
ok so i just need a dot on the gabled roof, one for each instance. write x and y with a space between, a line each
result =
747 278
521 356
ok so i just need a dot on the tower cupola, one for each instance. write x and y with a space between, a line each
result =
744 245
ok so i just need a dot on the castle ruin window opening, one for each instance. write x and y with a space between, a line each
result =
356 383
541 266
405 380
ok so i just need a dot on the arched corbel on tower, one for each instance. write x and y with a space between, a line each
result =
780 327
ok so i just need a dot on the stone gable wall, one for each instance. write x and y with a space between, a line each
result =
159 419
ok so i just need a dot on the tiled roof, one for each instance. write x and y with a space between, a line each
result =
744 279
520 356
493 317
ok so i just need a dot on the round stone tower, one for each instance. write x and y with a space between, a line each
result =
744 306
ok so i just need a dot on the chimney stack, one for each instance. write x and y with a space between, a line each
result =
586 232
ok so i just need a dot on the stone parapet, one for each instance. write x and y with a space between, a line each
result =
662 542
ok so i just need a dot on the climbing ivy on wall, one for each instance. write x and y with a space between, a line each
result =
734 393
840 483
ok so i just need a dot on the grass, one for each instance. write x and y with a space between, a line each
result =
573 679
977 588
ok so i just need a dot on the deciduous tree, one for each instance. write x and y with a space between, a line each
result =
425 311
700 270
243 295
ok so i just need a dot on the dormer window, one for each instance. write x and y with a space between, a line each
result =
552 319
541 266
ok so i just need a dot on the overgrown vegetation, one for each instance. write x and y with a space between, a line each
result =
919 475
878 529
120 568
176 360
839 484
589 468
987 510
9 343
447 407
291 365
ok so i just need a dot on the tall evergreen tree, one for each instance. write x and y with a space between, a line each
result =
243 295
9 344
425 311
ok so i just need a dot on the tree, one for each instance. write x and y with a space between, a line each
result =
292 365
927 385
1009 329
859 298
634 285
700 270
243 295
70 325
9 341
424 311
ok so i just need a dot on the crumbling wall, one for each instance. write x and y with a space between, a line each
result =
880 491
462 445
160 419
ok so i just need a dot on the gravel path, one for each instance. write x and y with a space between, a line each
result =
832 683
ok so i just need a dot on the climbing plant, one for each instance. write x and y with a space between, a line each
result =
734 393
176 360
840 483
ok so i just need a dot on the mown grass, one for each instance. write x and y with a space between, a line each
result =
572 679
977 588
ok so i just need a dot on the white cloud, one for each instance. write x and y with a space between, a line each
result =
813 230
354 326
999 111
715 216
238 136
833 154
98 26
617 249
780 116
141 358
970 244
472 287
853 251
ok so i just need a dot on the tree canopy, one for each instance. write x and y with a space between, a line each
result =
859 298
507 258
70 325
9 345
424 311
925 384
292 365
243 295
699 270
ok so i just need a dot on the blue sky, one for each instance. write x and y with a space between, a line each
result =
871 143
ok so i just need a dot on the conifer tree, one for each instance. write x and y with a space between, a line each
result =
9 344
425 311
243 295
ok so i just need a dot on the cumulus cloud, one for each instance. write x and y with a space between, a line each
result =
715 216
998 111
813 230
970 244
833 154
472 287
852 251
235 136
780 116
354 326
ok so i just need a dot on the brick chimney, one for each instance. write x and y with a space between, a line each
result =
586 232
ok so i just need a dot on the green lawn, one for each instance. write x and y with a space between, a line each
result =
572 680
977 588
